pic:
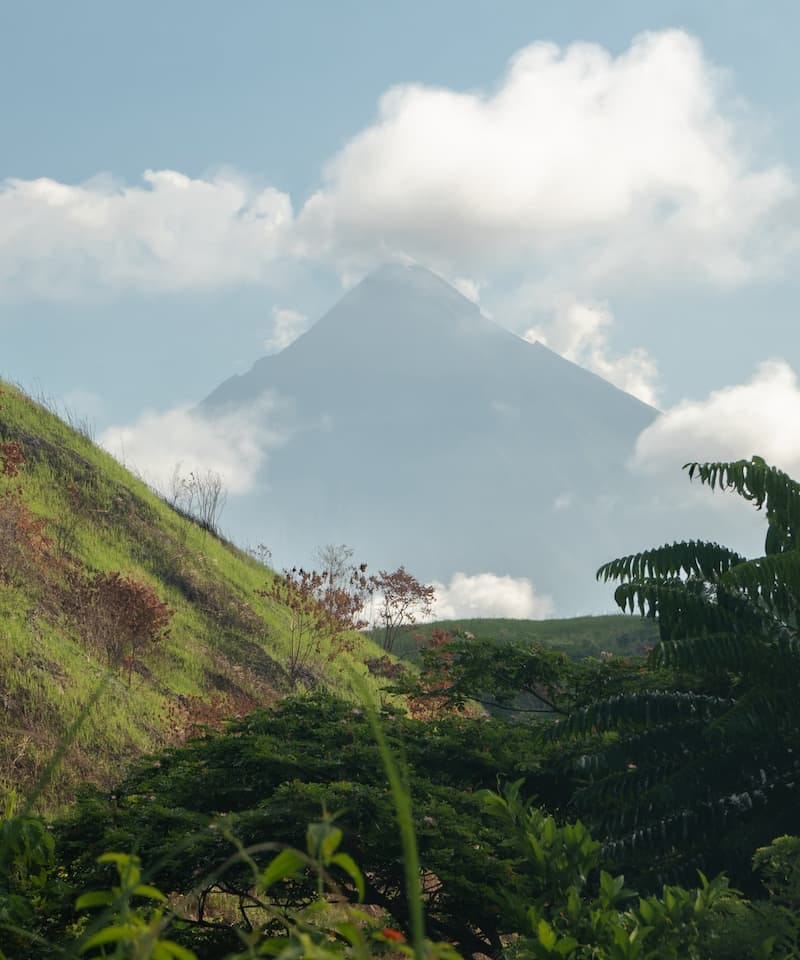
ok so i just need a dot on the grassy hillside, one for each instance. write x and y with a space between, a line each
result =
81 538
578 636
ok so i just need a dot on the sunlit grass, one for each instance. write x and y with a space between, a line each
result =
225 640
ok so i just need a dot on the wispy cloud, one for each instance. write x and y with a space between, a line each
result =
759 417
579 332
287 326
235 445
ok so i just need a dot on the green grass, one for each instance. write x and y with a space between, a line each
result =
226 649
578 637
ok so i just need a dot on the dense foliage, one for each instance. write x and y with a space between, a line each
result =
702 774
589 817
270 774
499 872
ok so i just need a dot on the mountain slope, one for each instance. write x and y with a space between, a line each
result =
87 552
423 433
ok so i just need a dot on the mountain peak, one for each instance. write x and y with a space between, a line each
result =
412 283
404 307
411 276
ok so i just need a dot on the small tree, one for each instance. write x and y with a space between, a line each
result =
199 494
403 600
318 612
335 560
261 553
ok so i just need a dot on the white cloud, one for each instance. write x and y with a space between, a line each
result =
585 168
234 445
758 417
287 325
489 595
579 332
599 164
471 289
171 233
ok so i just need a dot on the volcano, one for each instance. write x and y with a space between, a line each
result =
421 432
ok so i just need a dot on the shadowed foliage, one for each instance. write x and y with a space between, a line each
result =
703 773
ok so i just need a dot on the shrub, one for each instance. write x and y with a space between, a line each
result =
118 616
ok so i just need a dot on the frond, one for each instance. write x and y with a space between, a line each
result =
641 710
761 714
682 607
773 580
762 485
692 558
710 652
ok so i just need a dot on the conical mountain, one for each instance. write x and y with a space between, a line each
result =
423 433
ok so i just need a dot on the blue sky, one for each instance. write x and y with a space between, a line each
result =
629 193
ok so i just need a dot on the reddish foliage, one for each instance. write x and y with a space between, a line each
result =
118 615
320 608
385 667
189 716
403 600
11 458
24 543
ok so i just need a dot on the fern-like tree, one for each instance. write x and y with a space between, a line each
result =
701 771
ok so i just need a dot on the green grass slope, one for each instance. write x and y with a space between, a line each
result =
578 637
70 518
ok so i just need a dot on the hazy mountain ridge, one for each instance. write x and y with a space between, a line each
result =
424 433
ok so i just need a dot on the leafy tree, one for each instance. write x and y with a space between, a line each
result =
555 900
704 771
269 775
522 679
403 600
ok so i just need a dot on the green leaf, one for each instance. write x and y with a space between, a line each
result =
350 867
566 945
127 866
287 864
546 934
169 950
322 839
121 932
95 898
330 843
351 932
152 893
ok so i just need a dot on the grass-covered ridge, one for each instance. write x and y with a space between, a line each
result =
577 637
77 530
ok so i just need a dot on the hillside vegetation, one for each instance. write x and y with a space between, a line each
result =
617 818
104 585
575 636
